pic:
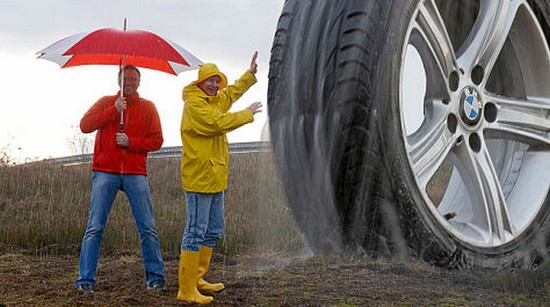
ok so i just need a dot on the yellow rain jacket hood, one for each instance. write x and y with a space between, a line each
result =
208 70
204 124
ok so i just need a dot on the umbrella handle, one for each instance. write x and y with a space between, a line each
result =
121 124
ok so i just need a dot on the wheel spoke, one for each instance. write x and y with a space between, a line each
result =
489 34
434 43
479 175
526 121
428 149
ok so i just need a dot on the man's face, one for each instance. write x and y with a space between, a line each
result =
211 85
131 81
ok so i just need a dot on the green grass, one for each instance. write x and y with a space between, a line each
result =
44 209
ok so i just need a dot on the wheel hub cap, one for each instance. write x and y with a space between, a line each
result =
470 105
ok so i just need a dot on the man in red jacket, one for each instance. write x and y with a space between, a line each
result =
119 163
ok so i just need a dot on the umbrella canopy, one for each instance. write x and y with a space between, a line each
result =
116 47
121 47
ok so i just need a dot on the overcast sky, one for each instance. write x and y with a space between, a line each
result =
42 104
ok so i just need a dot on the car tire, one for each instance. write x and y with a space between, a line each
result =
412 127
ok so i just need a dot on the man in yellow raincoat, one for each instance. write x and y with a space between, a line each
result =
204 169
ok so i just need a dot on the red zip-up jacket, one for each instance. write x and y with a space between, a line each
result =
141 124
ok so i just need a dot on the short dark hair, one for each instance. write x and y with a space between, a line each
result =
127 67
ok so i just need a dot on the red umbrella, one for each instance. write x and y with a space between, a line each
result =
109 46
121 47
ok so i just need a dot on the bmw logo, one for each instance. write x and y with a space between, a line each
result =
471 105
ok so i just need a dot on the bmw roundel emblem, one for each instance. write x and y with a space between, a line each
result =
471 105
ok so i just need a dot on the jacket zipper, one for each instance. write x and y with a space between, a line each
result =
122 161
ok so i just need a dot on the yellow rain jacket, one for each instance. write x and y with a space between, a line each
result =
204 124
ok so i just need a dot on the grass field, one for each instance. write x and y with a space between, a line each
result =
44 209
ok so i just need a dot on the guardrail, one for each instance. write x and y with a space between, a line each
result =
173 152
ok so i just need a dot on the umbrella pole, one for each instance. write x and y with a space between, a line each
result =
122 87
122 93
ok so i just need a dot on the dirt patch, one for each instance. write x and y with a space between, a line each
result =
271 280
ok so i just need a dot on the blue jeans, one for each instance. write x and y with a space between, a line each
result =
105 186
204 220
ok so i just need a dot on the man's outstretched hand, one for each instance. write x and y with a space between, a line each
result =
255 107
253 65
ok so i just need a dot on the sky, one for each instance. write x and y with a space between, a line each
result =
42 104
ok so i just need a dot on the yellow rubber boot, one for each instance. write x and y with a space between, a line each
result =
188 277
204 265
